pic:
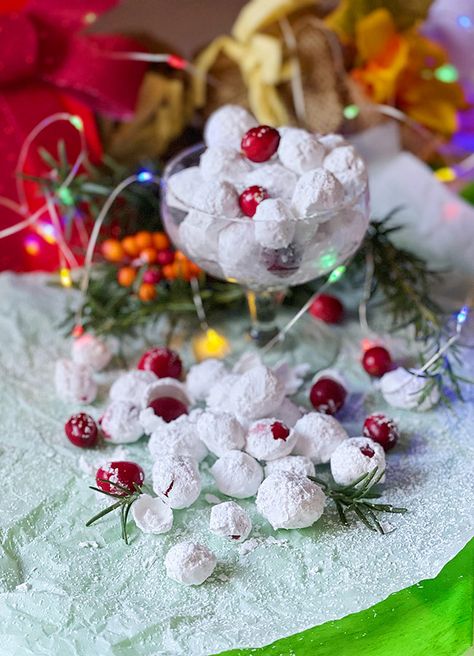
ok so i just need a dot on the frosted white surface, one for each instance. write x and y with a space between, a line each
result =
88 593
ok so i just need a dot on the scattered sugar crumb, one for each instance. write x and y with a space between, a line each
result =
89 544
315 570
223 577
388 527
212 499
252 544
23 587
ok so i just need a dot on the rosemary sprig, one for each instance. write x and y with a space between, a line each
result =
404 280
125 500
358 498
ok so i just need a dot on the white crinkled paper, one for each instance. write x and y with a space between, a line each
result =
115 600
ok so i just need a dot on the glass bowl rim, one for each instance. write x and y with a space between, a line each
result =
200 146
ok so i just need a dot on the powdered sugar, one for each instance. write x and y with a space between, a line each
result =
152 515
290 501
230 521
74 382
220 432
176 480
237 474
190 563
318 436
355 457
178 438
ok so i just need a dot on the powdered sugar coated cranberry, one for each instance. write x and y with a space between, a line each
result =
126 474
162 361
81 430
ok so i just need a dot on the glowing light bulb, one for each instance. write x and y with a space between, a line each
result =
176 62
77 122
47 232
462 314
78 330
65 196
144 176
328 260
446 174
465 22
65 277
89 18
210 344
351 111
446 73
337 274
31 245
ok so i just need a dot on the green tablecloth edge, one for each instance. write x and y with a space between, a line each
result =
431 618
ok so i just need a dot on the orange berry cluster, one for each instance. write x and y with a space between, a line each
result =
153 251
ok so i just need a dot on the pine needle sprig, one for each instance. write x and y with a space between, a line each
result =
404 280
358 498
125 500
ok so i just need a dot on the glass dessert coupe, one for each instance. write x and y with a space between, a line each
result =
227 249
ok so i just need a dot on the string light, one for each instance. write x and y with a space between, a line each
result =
210 344
46 231
327 260
462 315
351 111
464 22
65 277
77 122
31 245
445 174
77 331
446 73
337 274
144 176
65 196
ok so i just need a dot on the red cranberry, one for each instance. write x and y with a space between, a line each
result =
327 396
168 408
162 361
250 198
260 143
327 308
279 431
377 361
124 473
152 276
367 451
165 256
381 429
282 262
81 430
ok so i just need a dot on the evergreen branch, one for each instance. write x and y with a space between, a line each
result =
356 498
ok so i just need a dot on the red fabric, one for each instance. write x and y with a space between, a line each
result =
48 65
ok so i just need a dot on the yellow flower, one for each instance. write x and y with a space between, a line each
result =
383 54
406 70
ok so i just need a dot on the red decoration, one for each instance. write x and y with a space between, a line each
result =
126 474
377 361
168 408
162 361
327 396
260 143
81 430
381 429
327 308
50 65
250 198
279 431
